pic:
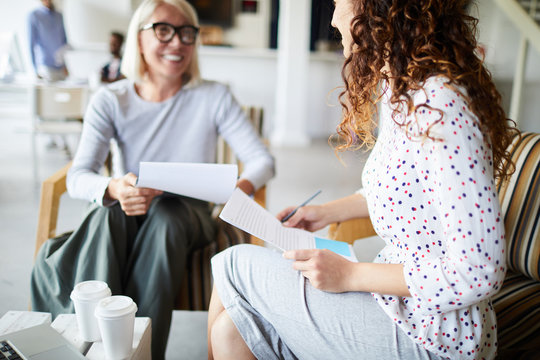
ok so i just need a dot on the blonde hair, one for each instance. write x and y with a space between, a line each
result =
133 65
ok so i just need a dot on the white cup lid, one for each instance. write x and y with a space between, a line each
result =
115 306
90 290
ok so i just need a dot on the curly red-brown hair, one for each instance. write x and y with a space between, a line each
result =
418 39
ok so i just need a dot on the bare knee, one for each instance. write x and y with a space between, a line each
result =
226 341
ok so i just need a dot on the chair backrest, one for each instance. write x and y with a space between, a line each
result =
520 203
225 155
58 102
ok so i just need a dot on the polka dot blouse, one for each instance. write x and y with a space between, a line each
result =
434 203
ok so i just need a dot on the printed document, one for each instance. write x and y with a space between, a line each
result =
209 182
244 213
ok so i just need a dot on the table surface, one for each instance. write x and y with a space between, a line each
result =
66 325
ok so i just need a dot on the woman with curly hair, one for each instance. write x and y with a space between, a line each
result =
413 72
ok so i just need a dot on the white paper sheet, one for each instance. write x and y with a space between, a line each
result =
244 213
208 182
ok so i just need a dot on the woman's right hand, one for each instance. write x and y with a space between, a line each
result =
311 217
133 200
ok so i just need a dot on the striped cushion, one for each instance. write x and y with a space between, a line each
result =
520 203
517 306
197 283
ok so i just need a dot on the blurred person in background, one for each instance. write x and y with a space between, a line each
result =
111 71
48 42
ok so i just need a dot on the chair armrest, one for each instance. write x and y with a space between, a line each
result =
51 191
351 230
260 198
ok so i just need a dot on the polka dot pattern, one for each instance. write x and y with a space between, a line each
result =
434 202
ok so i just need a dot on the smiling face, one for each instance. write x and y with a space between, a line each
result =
167 60
343 15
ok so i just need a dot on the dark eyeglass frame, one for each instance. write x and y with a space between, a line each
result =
177 30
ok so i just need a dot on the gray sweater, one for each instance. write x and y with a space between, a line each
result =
183 128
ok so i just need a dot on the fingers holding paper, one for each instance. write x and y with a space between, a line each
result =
324 269
133 200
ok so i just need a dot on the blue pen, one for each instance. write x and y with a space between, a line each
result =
299 206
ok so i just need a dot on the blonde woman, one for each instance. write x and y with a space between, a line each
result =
138 239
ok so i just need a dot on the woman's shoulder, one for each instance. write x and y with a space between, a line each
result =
439 105
113 94
209 86
117 89
439 92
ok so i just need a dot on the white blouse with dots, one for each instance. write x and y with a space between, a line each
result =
435 205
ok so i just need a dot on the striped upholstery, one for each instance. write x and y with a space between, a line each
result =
196 286
520 203
197 283
517 304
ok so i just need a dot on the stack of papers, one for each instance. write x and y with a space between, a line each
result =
244 213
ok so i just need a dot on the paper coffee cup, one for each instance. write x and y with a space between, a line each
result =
85 297
116 319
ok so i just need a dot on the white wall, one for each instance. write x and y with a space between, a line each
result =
501 40
251 30
13 16
252 77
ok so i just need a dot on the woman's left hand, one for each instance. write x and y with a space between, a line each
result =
325 269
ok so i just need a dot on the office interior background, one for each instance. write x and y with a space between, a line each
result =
281 55
293 82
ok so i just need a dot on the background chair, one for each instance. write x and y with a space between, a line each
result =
57 110
197 283
517 304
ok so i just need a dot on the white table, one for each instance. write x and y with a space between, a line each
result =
66 325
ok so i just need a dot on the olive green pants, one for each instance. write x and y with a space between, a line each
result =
143 257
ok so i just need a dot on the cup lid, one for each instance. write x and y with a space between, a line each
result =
115 306
90 290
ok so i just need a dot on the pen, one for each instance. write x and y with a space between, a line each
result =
299 206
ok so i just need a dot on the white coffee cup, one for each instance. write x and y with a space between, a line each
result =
116 319
85 297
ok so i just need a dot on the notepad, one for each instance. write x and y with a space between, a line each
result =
244 213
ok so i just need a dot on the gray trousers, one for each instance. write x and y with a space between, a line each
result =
143 257
281 316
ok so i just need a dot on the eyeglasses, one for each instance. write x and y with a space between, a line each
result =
165 32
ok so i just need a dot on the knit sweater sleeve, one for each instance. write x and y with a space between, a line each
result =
84 180
233 125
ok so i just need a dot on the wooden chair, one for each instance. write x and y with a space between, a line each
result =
517 304
197 283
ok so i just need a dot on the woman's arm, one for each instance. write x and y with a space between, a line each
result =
234 126
331 272
315 217
84 180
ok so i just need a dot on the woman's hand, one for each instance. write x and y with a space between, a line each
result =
311 218
133 200
324 269
331 272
